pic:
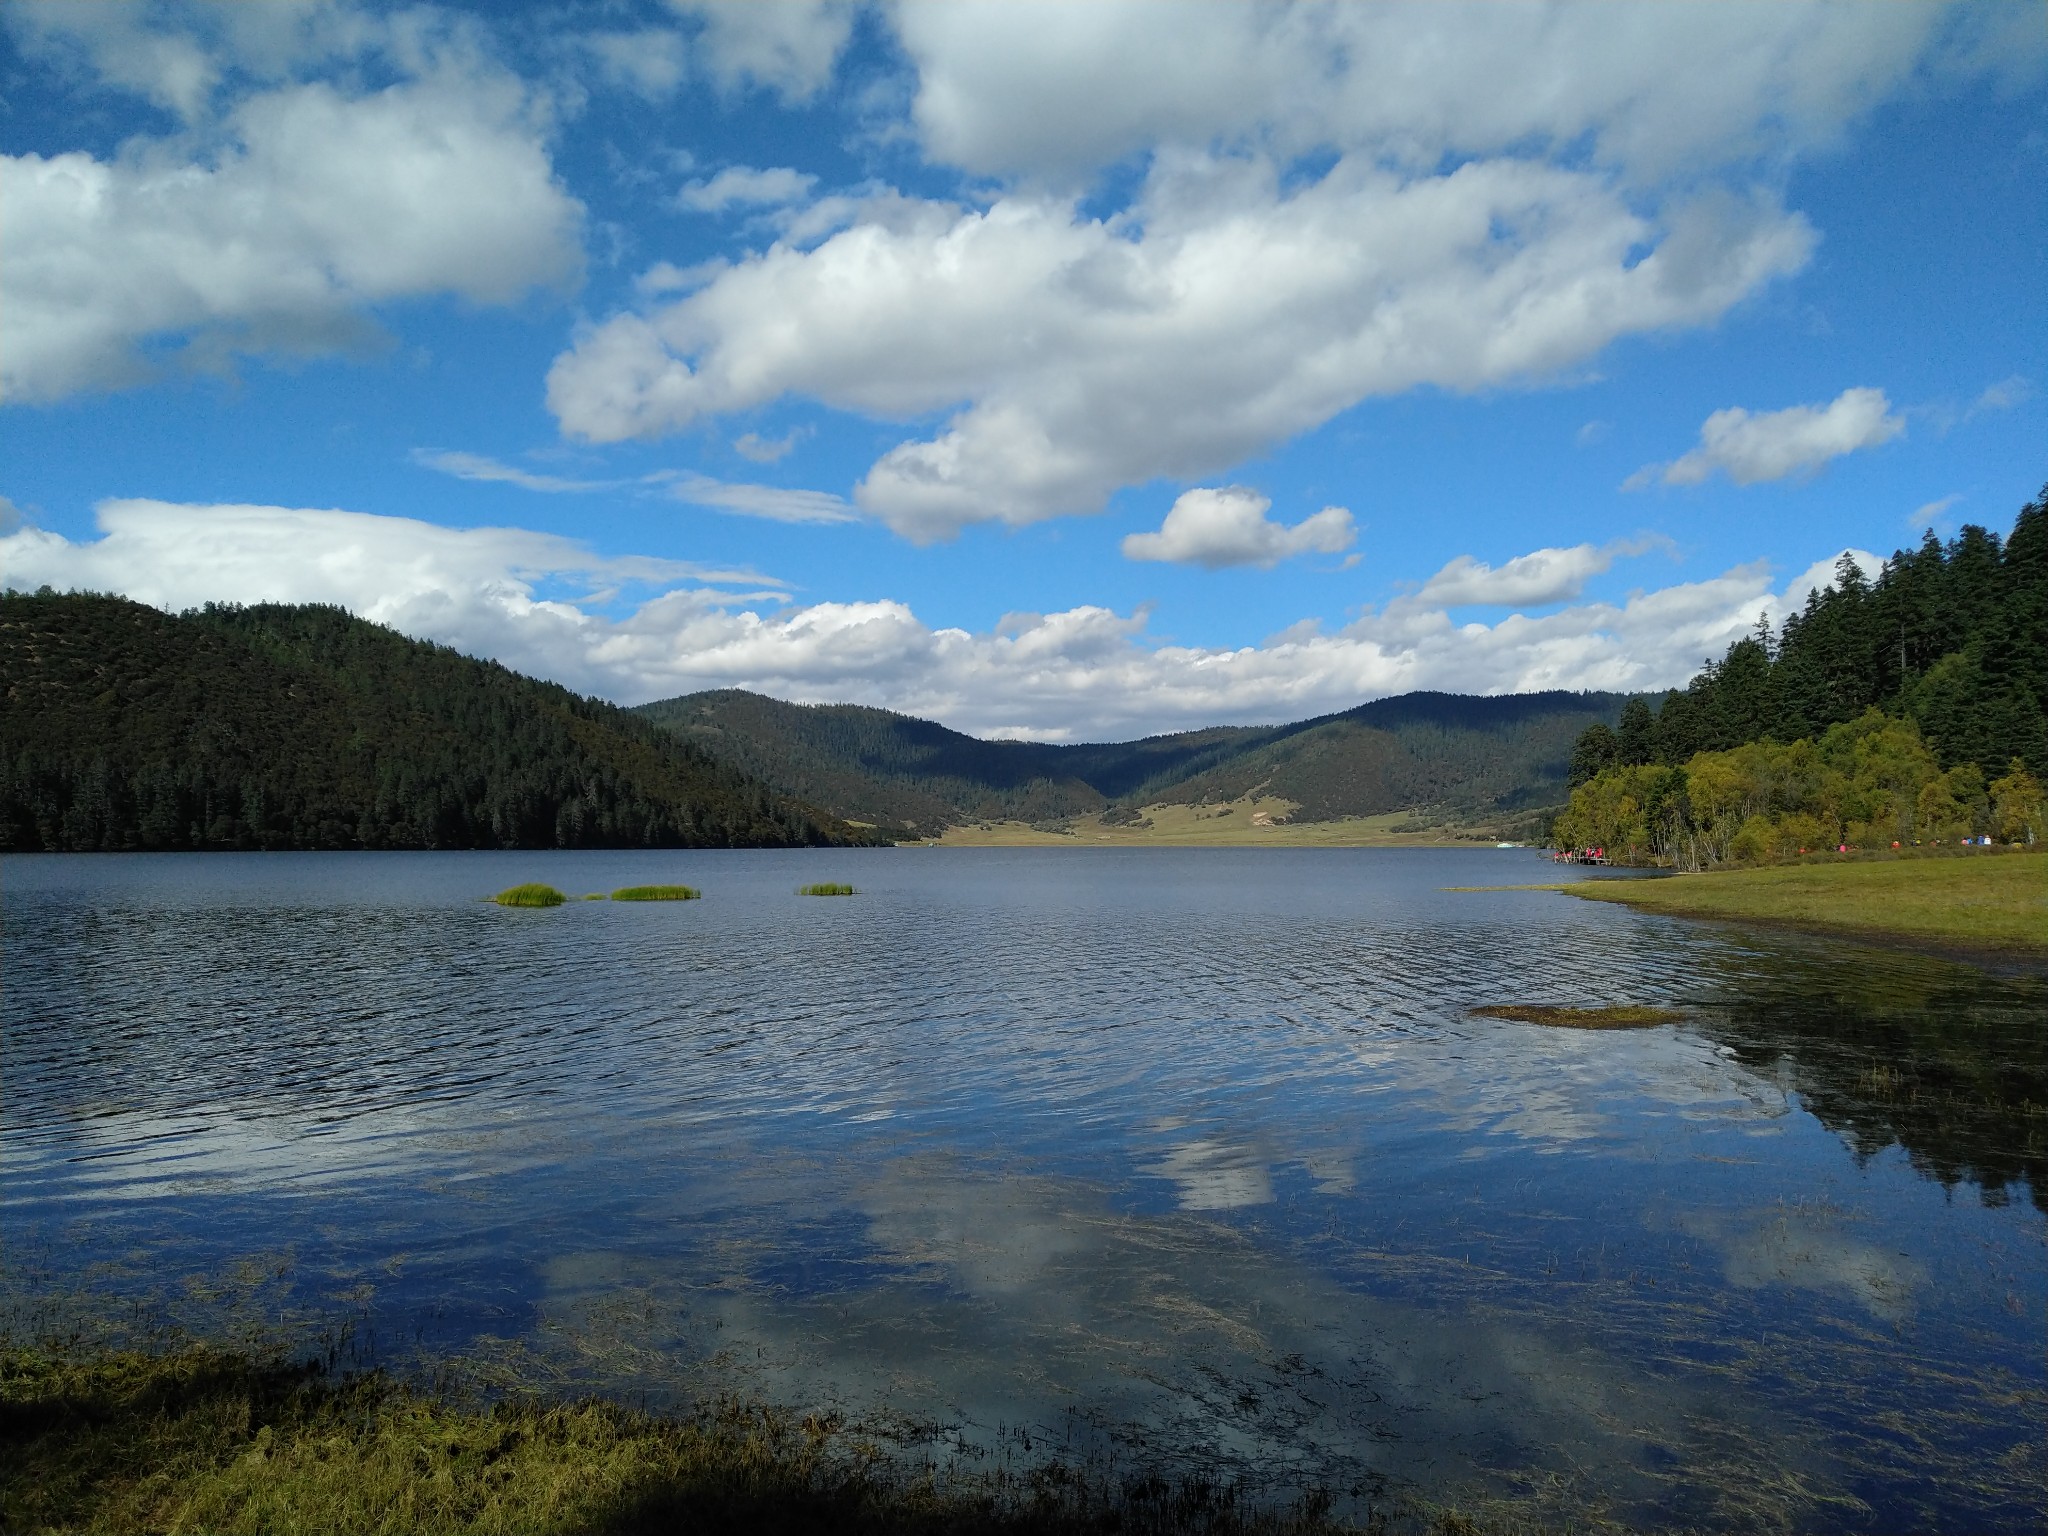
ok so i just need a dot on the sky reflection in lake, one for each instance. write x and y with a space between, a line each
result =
1158 1157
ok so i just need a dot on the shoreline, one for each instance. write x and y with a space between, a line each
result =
1988 906
1251 822
198 1436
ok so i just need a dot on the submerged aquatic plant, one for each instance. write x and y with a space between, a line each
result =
828 890
657 893
1627 1016
531 894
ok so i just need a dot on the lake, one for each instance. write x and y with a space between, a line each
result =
1181 1160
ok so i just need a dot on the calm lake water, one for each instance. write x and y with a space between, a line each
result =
1192 1160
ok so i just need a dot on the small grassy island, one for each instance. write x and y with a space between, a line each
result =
657 893
828 889
531 894
1991 900
1626 1016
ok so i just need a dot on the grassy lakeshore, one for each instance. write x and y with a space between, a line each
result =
1252 822
1987 901
210 1440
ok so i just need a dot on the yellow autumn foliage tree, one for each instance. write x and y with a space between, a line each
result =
1872 781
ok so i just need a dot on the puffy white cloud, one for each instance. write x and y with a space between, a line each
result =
173 71
1056 92
745 186
476 588
1820 577
1086 673
1772 445
1540 577
1224 313
177 56
1229 526
652 62
787 46
307 205
1334 202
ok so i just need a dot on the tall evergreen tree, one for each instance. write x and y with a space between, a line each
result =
1954 636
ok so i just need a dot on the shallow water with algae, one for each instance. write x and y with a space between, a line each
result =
1196 1161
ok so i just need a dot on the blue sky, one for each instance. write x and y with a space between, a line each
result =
1059 370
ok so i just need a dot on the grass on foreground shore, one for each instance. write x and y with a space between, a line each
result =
205 1440
1991 900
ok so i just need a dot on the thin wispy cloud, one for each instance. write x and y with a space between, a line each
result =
1931 513
776 503
781 504
476 466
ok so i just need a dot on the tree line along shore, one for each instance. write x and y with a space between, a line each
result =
1909 710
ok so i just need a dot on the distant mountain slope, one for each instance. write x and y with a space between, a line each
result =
304 727
1438 751
1448 752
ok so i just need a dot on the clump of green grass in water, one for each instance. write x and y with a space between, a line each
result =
1628 1016
532 894
209 1440
657 893
828 890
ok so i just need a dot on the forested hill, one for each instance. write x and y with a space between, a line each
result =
1458 755
1953 637
304 727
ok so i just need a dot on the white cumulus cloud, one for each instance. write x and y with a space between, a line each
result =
651 62
746 187
1753 447
278 227
1057 91
1334 202
787 46
547 606
1540 577
1229 526
480 589
1227 312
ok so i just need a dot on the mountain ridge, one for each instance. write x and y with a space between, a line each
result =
1464 755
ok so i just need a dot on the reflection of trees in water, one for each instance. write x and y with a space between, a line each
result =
1948 1062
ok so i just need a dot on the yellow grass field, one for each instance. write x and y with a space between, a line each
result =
1250 823
1994 900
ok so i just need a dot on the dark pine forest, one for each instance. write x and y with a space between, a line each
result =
1951 636
281 726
